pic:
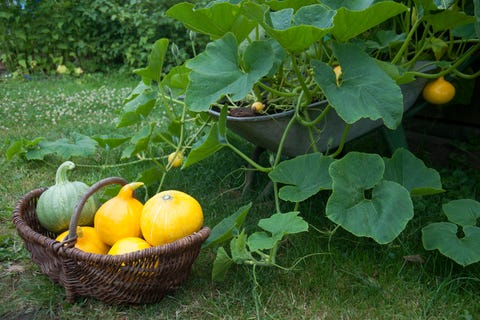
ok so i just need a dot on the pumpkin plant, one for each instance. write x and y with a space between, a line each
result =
283 54
285 57
458 237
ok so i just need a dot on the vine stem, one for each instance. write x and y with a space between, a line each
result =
276 92
466 76
279 152
342 141
450 69
248 159
285 132
300 79
105 166
314 121
406 42
256 295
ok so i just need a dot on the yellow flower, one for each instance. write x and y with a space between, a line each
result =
78 71
62 69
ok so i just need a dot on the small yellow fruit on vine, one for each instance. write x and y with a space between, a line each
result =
439 91
175 159
257 106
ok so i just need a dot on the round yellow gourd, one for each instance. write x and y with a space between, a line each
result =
439 91
169 216
175 159
129 244
119 217
88 240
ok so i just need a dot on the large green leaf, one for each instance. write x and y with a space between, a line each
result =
261 241
139 142
177 80
238 248
78 145
217 72
226 228
476 4
425 6
382 215
215 140
110 141
280 224
443 4
463 212
409 171
215 21
21 147
294 32
137 108
349 23
443 236
348 4
139 89
294 4
304 176
448 19
153 71
151 175
366 91
221 265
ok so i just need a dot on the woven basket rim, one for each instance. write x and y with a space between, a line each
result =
170 248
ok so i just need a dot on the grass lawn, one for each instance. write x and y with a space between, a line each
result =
327 275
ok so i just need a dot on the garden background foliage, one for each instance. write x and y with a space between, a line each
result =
95 35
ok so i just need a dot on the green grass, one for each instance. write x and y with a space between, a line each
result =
340 276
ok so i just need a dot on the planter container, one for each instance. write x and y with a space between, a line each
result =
266 130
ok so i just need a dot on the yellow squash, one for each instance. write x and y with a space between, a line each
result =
439 91
88 240
119 217
129 244
169 216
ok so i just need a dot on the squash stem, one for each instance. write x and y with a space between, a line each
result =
275 91
406 42
450 69
106 166
285 132
342 142
162 179
61 175
301 80
248 159
315 121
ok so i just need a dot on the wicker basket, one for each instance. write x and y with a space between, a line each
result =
144 276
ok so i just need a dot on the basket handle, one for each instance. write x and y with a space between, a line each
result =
72 236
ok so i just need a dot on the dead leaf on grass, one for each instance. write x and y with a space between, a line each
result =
15 269
414 258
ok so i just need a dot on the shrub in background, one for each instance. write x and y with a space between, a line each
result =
96 35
